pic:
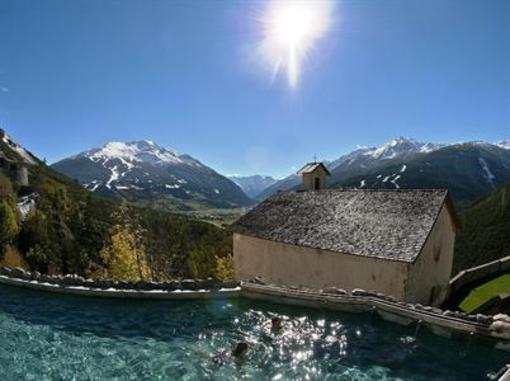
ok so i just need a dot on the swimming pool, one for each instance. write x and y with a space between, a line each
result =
47 336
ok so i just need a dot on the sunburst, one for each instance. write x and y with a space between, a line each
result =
290 29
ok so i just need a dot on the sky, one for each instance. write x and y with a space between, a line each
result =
75 74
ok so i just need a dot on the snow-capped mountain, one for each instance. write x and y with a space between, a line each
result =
360 160
469 169
145 171
253 185
505 144
400 147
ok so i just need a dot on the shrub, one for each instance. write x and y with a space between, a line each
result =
8 224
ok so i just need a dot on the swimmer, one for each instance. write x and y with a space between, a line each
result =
240 349
237 354
276 324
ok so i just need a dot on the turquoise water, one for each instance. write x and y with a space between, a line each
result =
47 336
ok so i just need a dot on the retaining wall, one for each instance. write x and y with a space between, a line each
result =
462 283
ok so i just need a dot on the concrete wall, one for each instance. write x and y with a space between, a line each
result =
430 273
299 266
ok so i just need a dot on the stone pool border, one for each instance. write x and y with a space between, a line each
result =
443 323
75 285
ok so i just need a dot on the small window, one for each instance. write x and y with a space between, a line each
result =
317 184
437 252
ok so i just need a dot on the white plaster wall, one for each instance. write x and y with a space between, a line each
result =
309 179
295 265
427 272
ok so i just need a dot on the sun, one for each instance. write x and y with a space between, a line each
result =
291 28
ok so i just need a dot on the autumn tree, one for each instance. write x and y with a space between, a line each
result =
124 254
224 268
123 258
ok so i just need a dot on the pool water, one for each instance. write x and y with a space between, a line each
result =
48 336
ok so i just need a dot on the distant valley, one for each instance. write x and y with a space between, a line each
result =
253 185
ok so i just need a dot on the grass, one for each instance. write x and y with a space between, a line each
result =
485 292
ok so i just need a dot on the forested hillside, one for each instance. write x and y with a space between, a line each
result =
54 225
485 233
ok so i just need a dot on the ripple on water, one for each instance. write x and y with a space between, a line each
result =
44 336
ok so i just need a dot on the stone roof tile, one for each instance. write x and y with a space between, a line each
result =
389 224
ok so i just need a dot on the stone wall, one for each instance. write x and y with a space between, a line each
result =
106 287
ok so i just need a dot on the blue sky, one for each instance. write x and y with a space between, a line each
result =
75 74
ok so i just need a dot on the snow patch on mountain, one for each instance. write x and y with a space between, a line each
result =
394 182
489 176
505 144
114 177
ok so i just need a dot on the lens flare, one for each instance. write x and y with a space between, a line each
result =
291 28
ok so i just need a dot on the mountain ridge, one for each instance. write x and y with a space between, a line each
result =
385 167
144 171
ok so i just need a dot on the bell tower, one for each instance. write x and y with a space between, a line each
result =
314 176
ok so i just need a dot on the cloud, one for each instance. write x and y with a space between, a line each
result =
4 89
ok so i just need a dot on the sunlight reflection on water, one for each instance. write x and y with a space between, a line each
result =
54 337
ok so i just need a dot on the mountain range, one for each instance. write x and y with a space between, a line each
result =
253 185
144 171
469 170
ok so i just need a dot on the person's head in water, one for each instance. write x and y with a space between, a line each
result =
240 349
276 323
